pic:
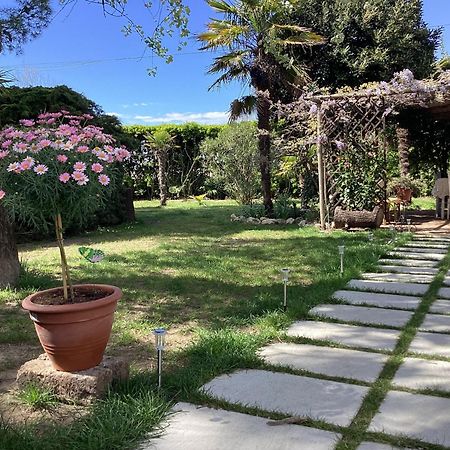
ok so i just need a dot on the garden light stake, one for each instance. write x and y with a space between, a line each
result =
160 342
285 278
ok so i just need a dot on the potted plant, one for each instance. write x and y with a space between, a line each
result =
55 170
403 187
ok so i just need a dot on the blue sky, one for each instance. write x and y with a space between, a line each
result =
88 53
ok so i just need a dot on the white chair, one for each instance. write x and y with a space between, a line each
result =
441 191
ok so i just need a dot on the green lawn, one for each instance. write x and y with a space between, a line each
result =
214 284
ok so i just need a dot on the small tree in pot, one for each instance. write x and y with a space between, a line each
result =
53 170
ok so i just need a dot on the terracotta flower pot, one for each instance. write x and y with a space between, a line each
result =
75 335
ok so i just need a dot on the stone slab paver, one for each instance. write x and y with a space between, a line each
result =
439 251
377 299
388 287
363 314
417 416
375 446
197 428
335 362
431 344
417 256
350 335
417 373
444 292
411 270
295 395
437 323
440 306
408 262
399 277
446 281
424 244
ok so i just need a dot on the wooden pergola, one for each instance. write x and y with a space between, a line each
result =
350 128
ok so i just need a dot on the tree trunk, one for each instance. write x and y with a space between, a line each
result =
162 176
358 219
403 150
9 258
264 151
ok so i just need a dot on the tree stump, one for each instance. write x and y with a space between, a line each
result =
9 258
358 219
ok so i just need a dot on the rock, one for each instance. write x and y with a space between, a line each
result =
302 223
234 218
280 221
290 221
81 387
253 220
269 222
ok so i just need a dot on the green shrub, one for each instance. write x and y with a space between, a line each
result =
232 158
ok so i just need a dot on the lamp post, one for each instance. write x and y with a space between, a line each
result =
341 249
285 277
160 343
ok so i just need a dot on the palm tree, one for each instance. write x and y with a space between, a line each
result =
257 37
160 142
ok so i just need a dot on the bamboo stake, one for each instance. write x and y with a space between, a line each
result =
321 173
67 284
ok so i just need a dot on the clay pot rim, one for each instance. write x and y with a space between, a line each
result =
114 296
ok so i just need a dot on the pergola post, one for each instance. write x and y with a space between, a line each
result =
322 205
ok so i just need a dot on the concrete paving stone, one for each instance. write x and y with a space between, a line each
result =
419 256
431 344
444 292
440 306
363 315
410 270
417 416
377 299
393 288
196 428
421 250
333 402
335 362
374 446
408 262
417 373
399 277
446 281
425 244
351 335
437 323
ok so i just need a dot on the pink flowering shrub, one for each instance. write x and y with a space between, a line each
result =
57 169
57 164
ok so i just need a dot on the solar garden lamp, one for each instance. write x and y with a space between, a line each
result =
160 343
341 249
392 230
285 278
408 221
370 236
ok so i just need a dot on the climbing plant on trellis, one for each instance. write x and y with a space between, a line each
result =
354 152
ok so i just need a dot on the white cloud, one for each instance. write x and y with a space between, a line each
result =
118 115
211 117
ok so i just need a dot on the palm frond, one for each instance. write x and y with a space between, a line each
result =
231 60
305 40
223 7
241 107
229 76
221 34
5 78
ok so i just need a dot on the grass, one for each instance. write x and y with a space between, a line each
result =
423 203
37 397
215 284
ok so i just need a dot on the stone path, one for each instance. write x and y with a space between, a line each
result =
333 359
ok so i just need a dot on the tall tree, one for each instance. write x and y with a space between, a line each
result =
160 142
367 40
256 38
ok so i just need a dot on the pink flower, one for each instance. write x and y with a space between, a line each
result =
4 154
103 179
27 163
7 143
13 167
2 194
80 178
21 147
44 143
64 177
26 122
97 168
62 158
40 169
83 149
79 166
102 155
